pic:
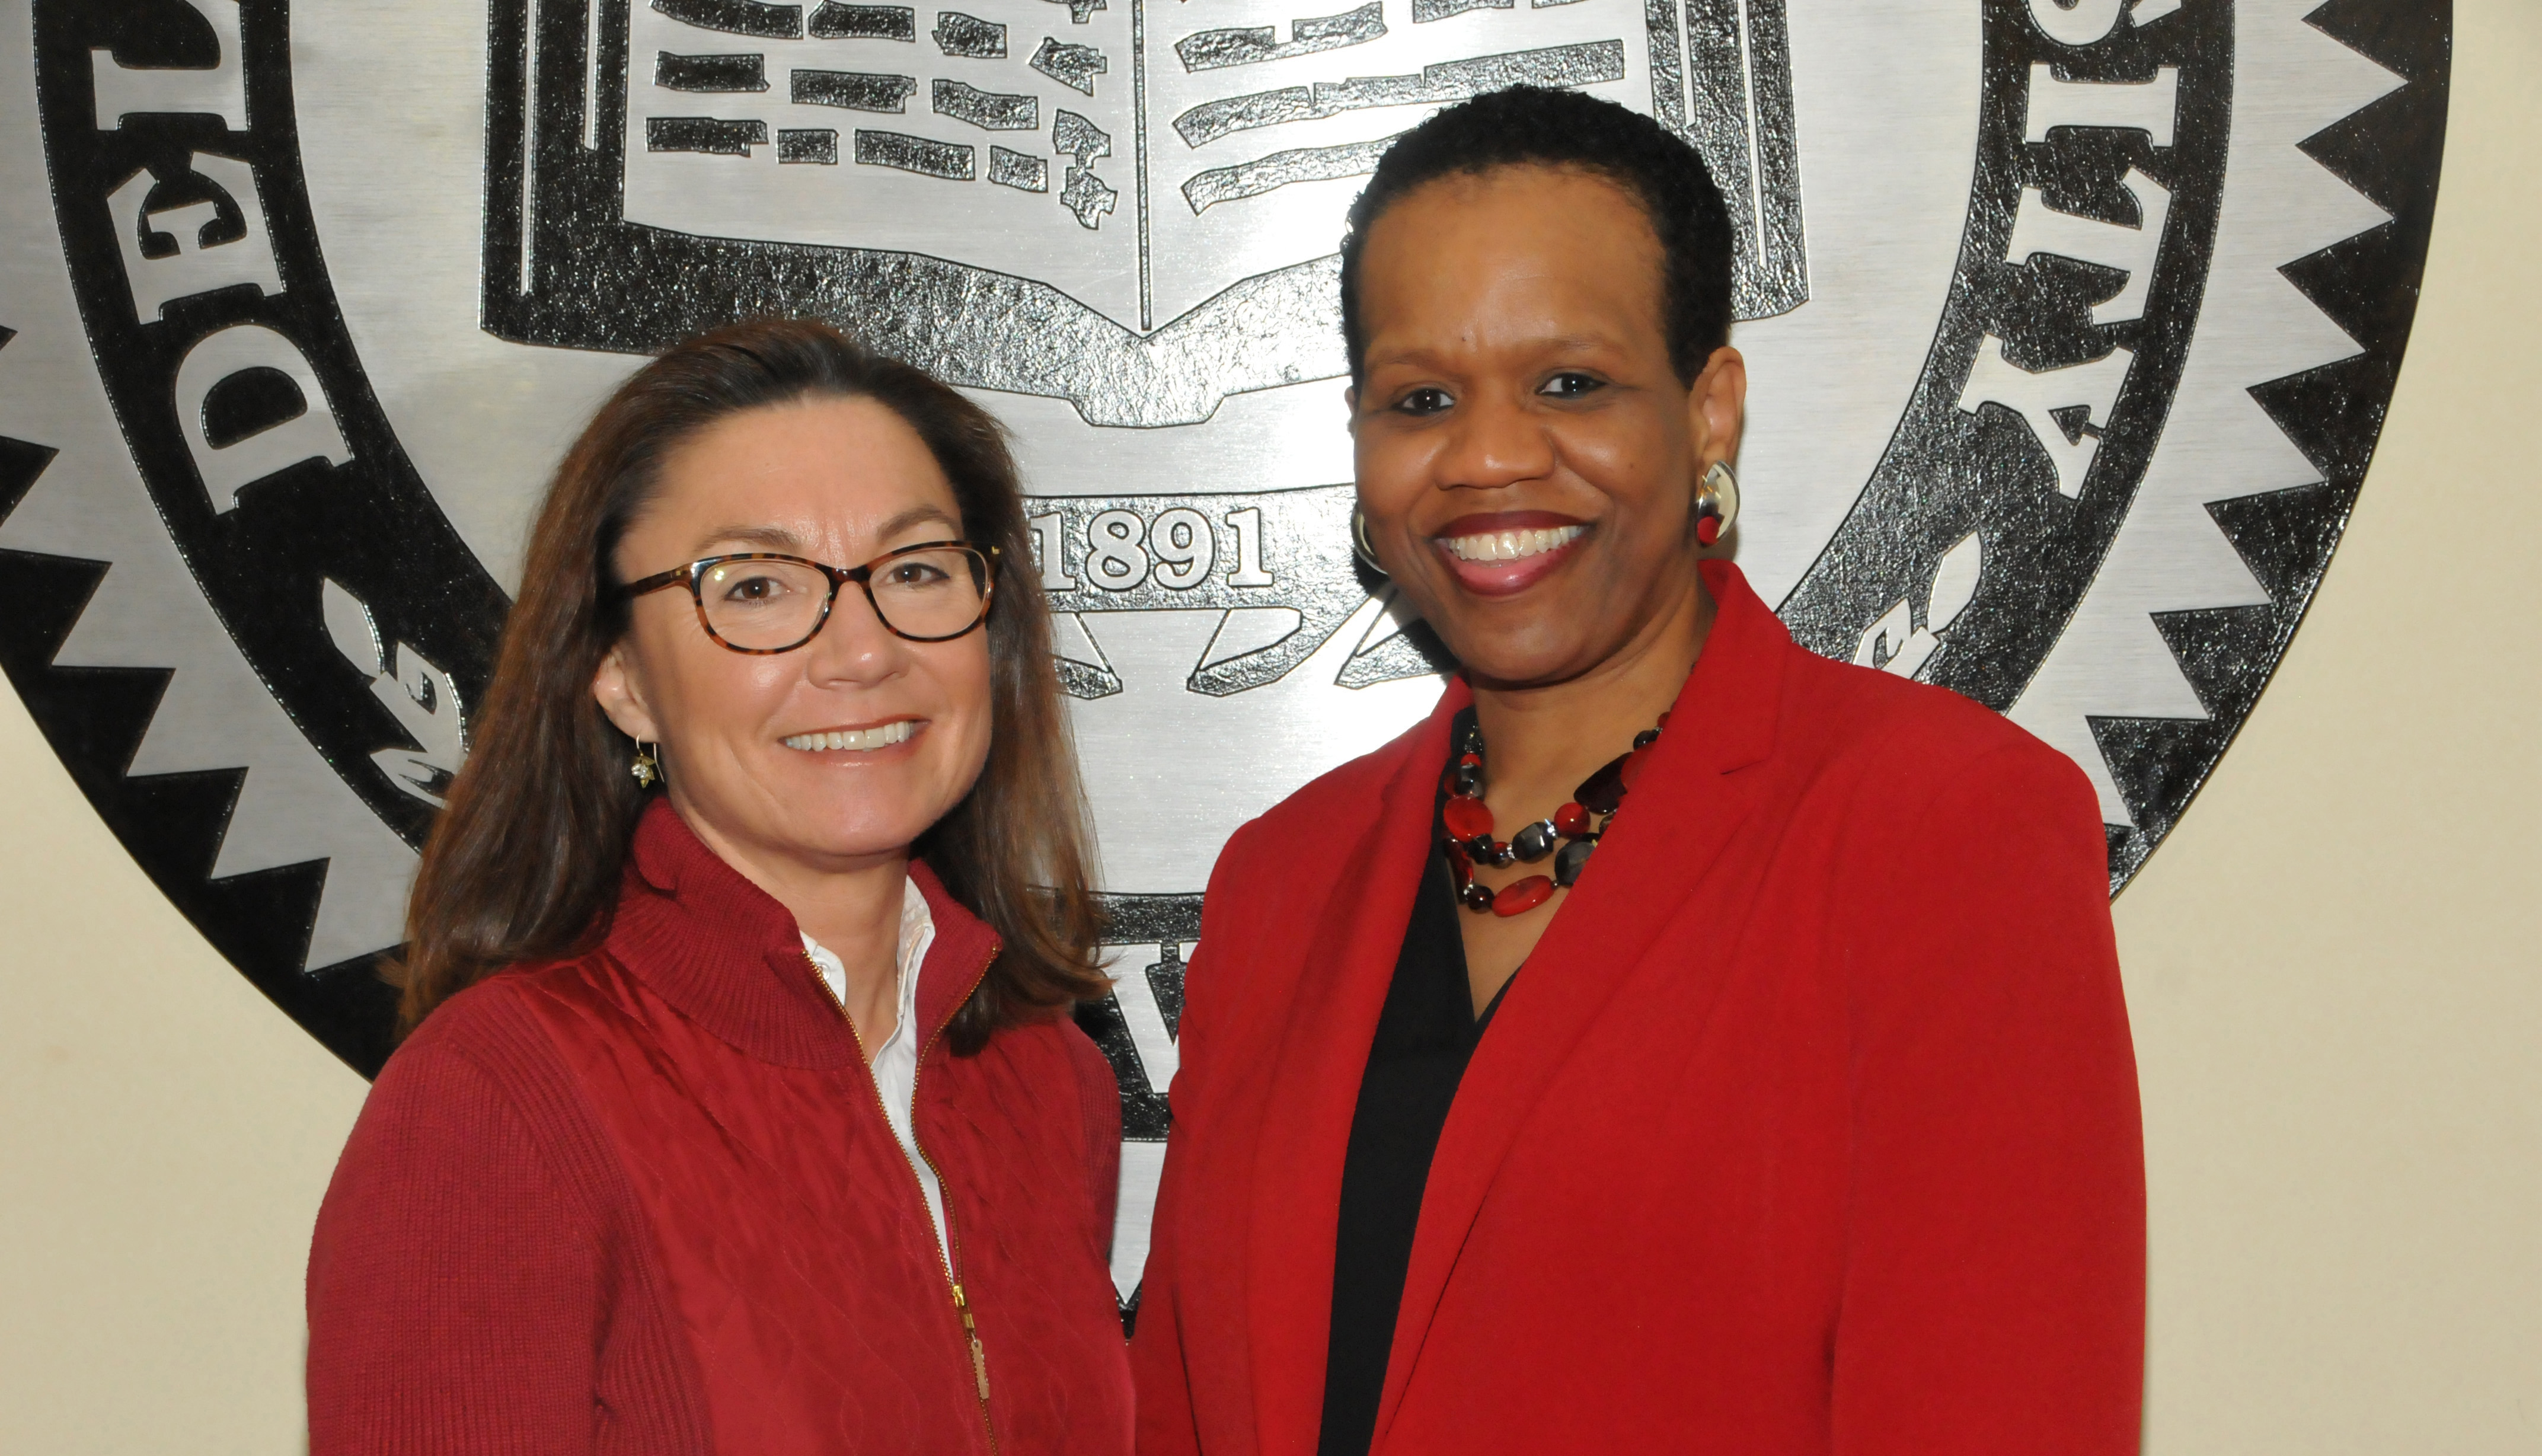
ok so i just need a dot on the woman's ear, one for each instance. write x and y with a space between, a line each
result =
619 694
1717 408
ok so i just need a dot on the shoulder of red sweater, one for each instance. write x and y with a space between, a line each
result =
1087 1057
490 1025
1050 1034
482 1064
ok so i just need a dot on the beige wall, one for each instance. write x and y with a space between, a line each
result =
2337 995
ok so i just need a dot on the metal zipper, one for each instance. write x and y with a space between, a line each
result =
948 1258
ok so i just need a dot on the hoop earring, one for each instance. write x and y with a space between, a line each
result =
1361 546
647 768
1716 503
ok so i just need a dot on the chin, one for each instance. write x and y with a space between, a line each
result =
1517 653
839 826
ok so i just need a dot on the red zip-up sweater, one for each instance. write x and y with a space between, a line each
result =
646 1200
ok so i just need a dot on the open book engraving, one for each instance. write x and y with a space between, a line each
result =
1131 205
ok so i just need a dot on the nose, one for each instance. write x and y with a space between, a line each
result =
853 649
1493 441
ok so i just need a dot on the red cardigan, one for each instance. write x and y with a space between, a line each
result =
647 1201
1810 1126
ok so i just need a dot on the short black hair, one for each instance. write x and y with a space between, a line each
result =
1531 126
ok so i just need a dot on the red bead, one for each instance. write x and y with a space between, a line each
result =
1461 863
1708 530
1523 895
1469 818
1634 764
1472 760
1571 822
1664 720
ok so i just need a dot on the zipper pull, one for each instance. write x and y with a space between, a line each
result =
979 1352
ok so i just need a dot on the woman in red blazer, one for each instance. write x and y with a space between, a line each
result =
740 1111
1801 1117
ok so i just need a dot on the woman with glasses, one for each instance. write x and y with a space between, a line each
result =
740 1110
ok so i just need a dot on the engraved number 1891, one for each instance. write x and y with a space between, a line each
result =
1123 549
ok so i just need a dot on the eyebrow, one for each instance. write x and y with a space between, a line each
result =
912 516
1428 357
767 538
779 539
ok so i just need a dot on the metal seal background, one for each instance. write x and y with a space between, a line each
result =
2071 324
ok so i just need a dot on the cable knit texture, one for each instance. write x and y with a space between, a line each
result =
646 1200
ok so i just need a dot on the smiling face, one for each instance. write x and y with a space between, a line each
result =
1526 456
842 751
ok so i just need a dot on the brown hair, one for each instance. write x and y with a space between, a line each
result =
524 863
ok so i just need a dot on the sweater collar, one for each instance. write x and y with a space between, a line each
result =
731 959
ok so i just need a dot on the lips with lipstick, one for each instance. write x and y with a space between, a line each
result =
1507 551
855 740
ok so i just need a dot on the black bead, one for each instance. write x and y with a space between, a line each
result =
1536 841
1646 738
1502 857
1479 850
1470 780
1601 790
1475 896
1573 859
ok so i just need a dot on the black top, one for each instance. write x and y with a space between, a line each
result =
1424 1038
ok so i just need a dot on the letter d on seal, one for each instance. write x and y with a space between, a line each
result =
227 468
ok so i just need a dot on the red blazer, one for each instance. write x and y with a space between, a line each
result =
1810 1126
647 1201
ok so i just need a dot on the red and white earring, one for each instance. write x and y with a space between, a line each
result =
1716 503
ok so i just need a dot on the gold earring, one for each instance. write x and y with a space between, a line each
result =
647 768
1361 546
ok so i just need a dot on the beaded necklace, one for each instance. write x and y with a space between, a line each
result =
1570 835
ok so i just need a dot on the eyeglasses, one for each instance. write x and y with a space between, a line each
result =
761 602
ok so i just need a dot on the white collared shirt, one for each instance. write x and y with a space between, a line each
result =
895 1063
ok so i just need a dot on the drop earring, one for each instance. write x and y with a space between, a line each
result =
1361 546
647 768
1716 503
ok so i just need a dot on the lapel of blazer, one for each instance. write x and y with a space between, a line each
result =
1314 1092
1687 807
